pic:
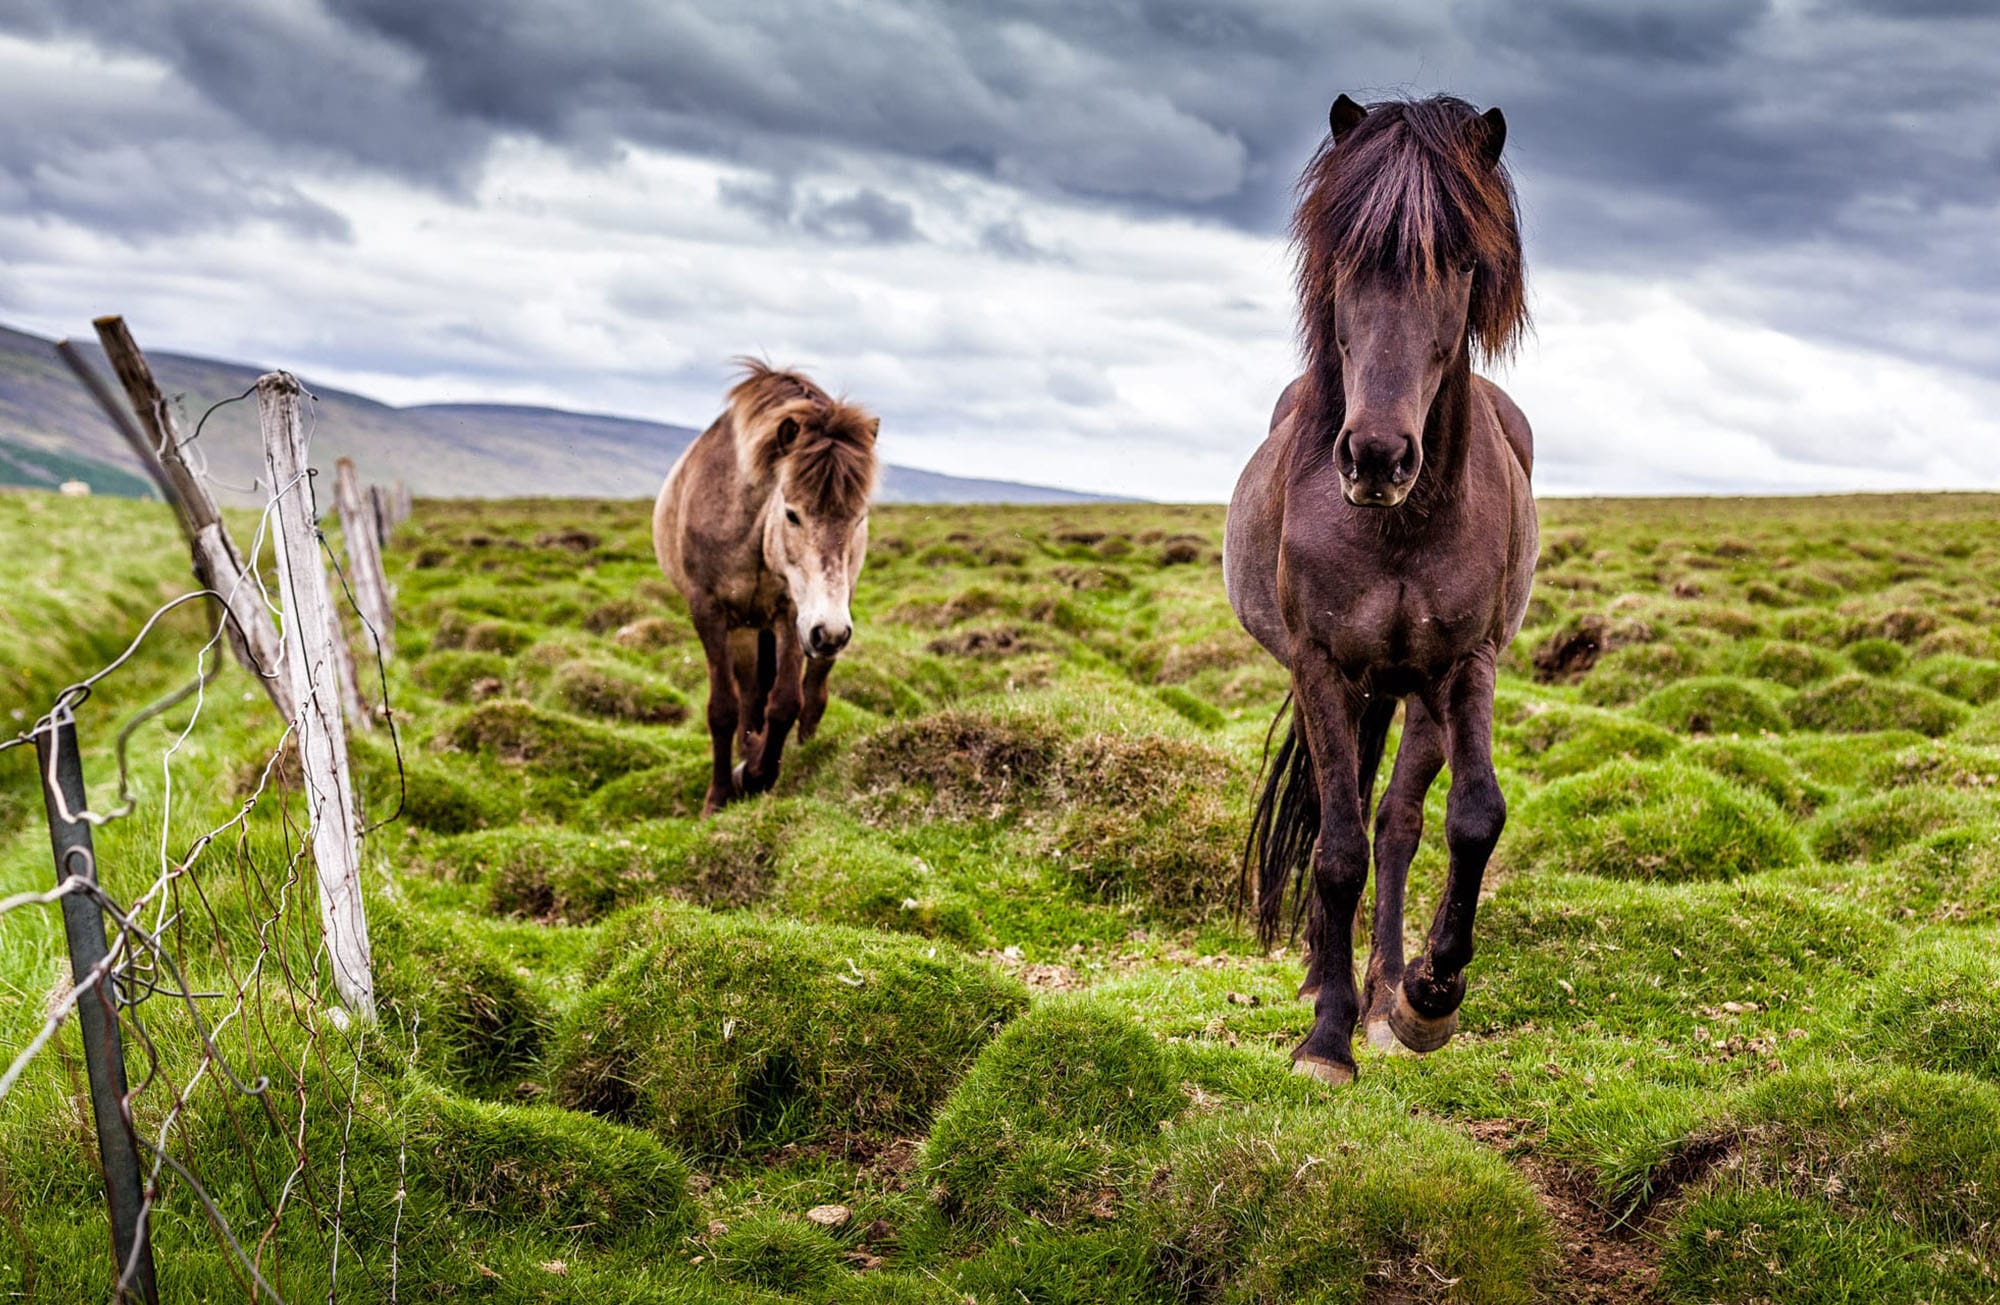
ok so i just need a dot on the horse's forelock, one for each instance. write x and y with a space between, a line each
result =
832 465
1404 193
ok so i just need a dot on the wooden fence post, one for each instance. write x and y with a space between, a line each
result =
364 555
322 742
217 564
379 508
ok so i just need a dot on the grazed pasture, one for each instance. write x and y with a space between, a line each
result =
1733 1031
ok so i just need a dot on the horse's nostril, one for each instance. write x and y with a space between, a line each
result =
828 639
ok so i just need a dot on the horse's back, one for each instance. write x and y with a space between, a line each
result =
689 483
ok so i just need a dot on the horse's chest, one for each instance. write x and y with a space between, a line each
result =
754 597
1398 622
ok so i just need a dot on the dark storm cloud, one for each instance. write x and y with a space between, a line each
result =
1650 136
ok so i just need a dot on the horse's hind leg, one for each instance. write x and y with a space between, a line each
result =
1426 1013
1330 709
1399 825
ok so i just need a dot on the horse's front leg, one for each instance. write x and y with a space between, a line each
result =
1330 710
1399 827
1426 1012
781 709
714 632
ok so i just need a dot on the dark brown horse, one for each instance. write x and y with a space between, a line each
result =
1381 545
763 525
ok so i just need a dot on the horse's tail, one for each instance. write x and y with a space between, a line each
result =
1278 853
1277 856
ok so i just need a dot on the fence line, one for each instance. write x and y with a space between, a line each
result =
216 929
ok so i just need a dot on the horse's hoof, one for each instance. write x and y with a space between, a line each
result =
1419 1032
1383 1039
1330 1072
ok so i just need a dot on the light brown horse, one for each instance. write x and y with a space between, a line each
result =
763 525
1381 545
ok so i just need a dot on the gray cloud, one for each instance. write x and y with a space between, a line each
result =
1827 168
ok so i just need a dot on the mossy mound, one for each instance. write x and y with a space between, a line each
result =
1153 820
840 873
1044 1124
424 793
1771 1246
458 676
1946 762
957 764
576 753
1714 704
1341 1200
677 789
567 876
1562 740
1859 704
1625 675
1939 1007
1650 960
1877 656
778 1253
1666 822
1968 679
1793 665
479 1024
1908 1145
617 692
554 1167
715 1032
1865 828
1760 769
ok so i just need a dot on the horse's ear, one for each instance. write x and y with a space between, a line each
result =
1344 116
874 428
1492 133
787 433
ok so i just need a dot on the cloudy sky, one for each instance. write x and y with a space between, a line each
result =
1041 237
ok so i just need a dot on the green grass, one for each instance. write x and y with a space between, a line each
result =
972 972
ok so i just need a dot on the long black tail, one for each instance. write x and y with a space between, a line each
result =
1278 853
1277 856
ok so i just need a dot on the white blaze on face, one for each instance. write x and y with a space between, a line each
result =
820 561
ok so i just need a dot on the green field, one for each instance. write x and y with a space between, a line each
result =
973 971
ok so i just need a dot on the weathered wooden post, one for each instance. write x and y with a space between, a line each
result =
364 555
217 564
309 635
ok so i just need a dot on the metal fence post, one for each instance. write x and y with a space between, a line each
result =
96 1012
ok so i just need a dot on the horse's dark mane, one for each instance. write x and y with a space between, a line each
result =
830 461
1408 193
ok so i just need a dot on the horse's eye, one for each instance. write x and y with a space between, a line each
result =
791 516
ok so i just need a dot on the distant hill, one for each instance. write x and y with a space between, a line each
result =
51 431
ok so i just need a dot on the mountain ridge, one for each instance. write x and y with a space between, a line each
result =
50 430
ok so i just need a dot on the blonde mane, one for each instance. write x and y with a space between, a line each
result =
826 447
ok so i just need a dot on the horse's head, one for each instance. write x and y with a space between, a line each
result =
1409 256
822 474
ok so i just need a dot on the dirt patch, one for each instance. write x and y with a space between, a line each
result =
1599 1259
981 643
576 541
1570 652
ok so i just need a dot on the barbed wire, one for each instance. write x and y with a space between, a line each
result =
215 923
